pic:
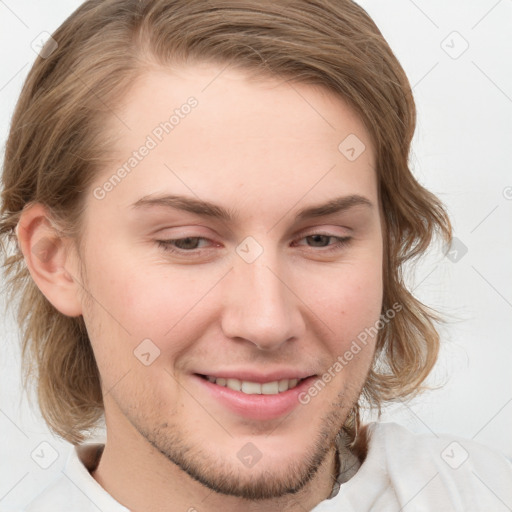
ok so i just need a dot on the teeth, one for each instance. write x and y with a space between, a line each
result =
270 388
255 388
251 388
234 384
283 385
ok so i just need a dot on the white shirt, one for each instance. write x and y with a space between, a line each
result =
403 471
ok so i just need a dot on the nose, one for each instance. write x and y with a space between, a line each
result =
259 304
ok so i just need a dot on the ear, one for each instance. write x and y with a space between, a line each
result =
51 260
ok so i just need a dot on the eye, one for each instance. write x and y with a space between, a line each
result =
187 244
191 244
322 240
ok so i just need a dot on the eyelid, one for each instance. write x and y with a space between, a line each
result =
340 243
184 232
303 234
315 230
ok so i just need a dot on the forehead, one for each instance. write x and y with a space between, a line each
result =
235 103
217 133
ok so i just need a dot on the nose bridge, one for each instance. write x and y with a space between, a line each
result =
259 306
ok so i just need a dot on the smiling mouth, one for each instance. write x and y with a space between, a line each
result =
255 388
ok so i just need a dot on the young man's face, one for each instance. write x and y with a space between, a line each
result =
264 295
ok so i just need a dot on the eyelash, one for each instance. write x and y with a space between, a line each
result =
167 245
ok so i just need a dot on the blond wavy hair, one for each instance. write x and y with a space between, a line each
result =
57 145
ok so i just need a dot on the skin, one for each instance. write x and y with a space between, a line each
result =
265 149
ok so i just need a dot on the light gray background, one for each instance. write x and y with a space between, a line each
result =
462 152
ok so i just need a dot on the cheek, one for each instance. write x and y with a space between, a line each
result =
126 318
347 299
144 315
137 298
351 310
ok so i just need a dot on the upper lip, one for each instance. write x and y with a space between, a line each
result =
254 376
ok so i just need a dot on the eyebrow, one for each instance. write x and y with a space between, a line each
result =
208 209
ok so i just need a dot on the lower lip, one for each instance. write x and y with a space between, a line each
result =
257 407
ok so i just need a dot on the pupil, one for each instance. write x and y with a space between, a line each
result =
186 242
317 237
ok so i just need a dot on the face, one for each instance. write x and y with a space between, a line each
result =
260 285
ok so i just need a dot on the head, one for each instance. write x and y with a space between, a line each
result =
264 110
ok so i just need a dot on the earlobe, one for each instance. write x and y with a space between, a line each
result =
50 260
